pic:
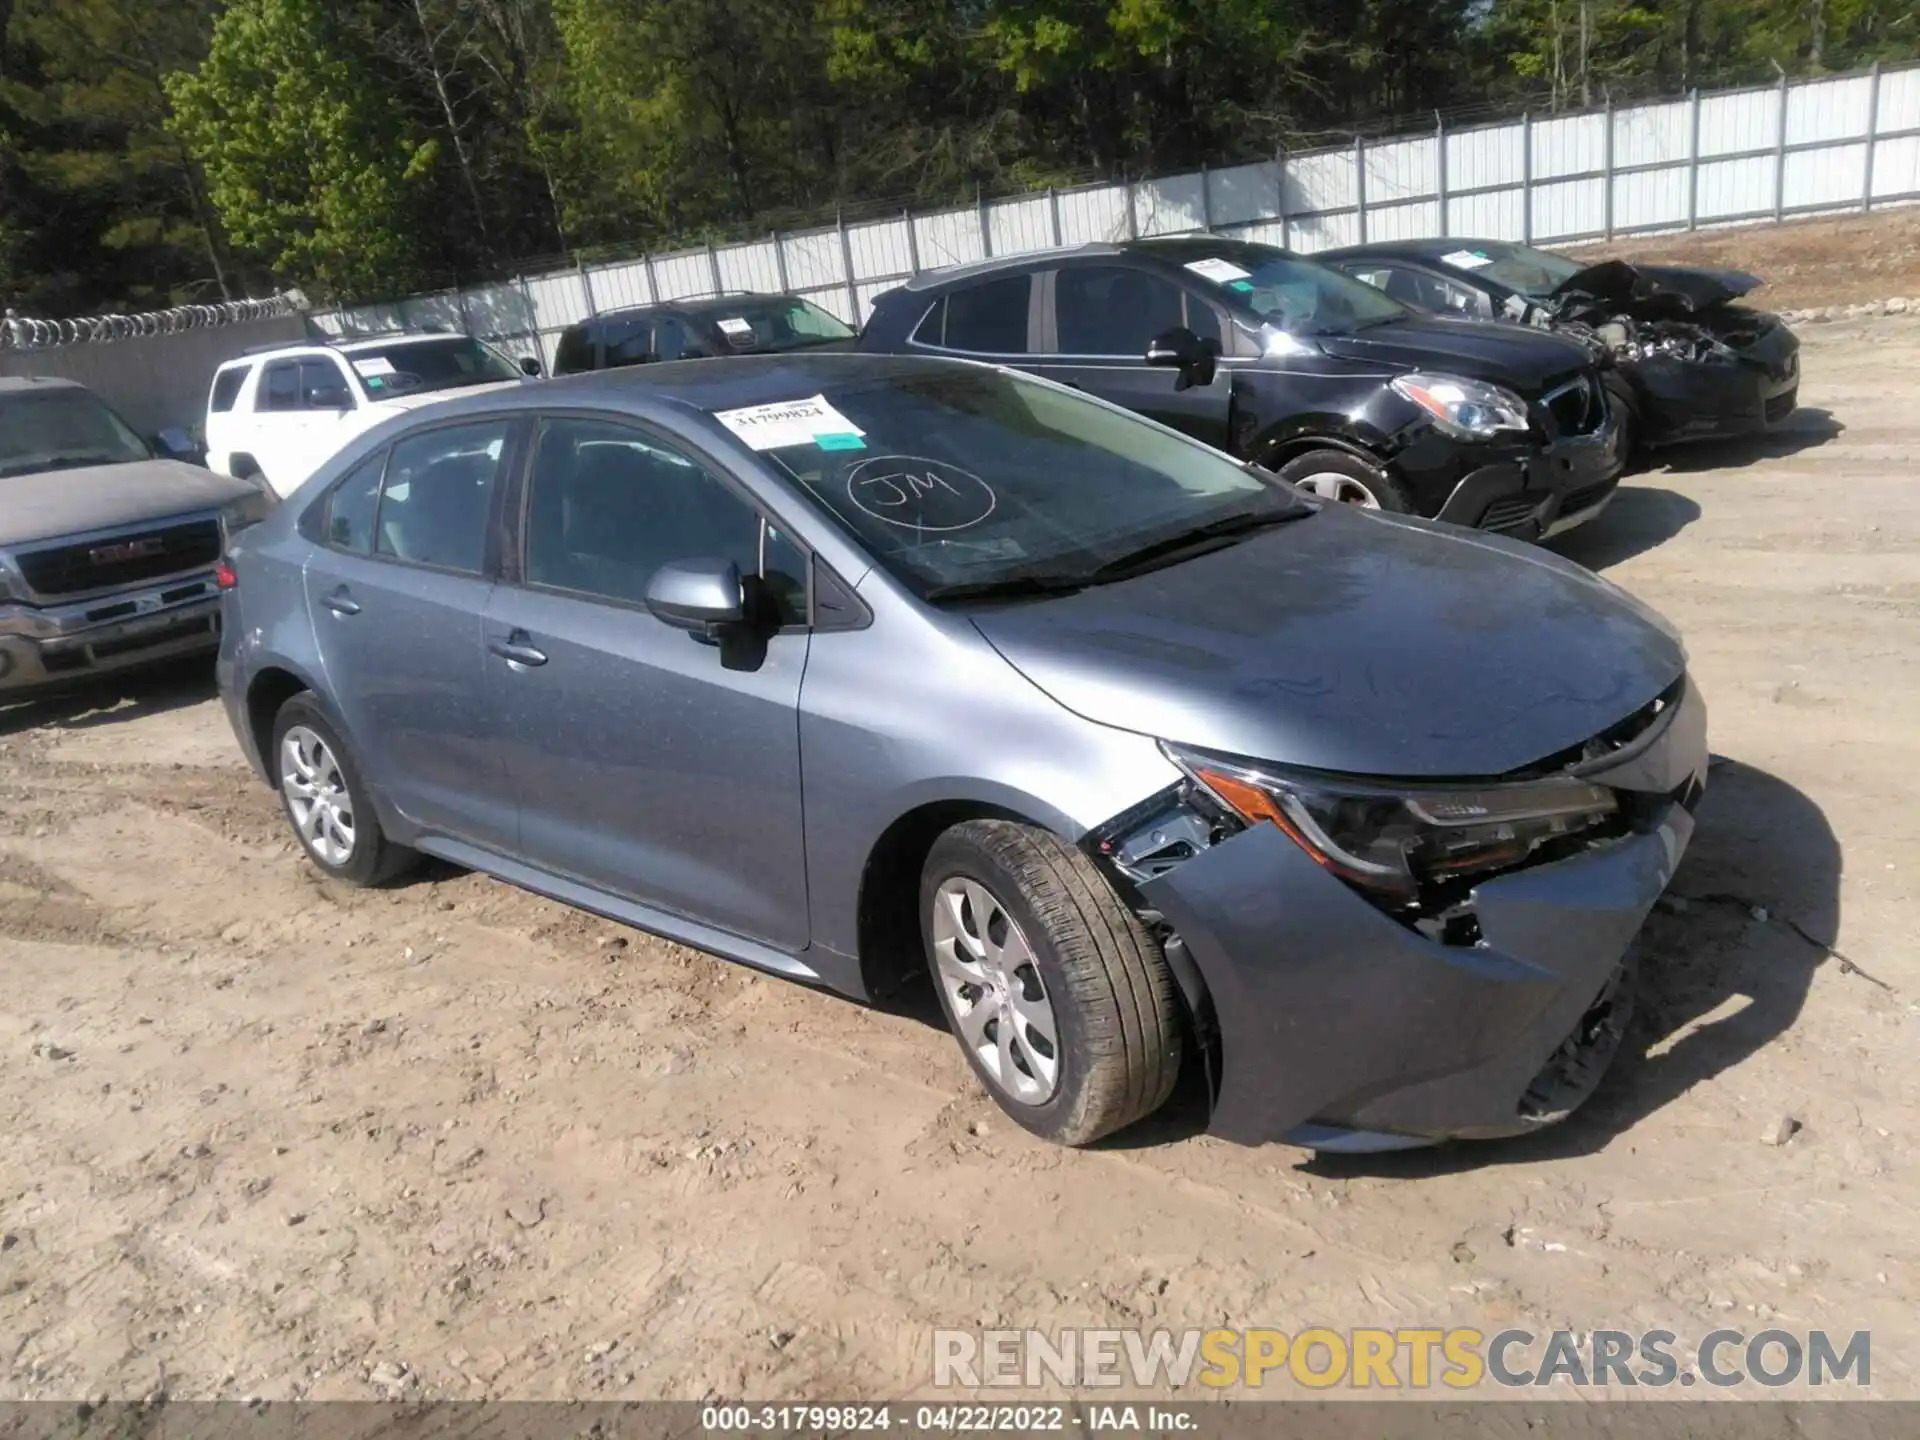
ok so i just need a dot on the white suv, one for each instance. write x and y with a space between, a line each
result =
281 413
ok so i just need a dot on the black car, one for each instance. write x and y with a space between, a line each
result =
1283 362
691 329
1683 360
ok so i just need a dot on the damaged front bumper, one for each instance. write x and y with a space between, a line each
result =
1340 1026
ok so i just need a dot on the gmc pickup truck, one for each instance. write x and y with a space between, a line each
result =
107 554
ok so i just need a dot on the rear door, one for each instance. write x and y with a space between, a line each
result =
649 762
397 591
1100 317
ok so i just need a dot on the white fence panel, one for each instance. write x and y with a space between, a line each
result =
440 311
1245 193
619 287
1323 180
1173 206
1744 120
557 300
1496 216
1569 145
1828 110
1833 176
1413 221
1650 200
683 276
880 249
813 259
1402 170
1478 158
1899 101
1017 226
949 237
1896 167
1096 213
1735 187
749 267
1652 135
1563 209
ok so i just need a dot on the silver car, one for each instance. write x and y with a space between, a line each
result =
858 669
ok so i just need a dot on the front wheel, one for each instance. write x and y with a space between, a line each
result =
1343 476
1060 999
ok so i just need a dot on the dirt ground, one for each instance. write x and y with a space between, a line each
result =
1827 260
270 1137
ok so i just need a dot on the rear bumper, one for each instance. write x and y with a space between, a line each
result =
43 648
1342 1028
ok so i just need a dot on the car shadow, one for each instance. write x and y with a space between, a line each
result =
1639 518
114 700
1806 429
1727 959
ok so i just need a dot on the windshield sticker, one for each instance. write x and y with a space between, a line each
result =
840 442
1465 260
1221 272
789 422
734 326
373 365
919 494
1245 287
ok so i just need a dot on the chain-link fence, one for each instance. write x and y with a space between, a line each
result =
20 332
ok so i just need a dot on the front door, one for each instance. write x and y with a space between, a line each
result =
1103 317
648 761
398 592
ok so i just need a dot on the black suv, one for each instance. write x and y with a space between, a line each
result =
1343 391
691 329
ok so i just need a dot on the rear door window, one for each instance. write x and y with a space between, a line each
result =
280 387
989 318
352 505
226 388
629 343
574 352
439 493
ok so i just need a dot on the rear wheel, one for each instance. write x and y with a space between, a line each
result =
1060 999
1342 476
325 800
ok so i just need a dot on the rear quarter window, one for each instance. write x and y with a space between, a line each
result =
575 351
226 388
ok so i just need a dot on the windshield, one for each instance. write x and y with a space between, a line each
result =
412 367
1295 295
775 323
1533 273
62 429
974 477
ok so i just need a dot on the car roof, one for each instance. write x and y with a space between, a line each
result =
13 384
1430 248
1170 249
706 385
694 305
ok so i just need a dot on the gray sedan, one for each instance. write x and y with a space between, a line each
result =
859 668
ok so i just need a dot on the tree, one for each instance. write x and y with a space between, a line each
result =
305 159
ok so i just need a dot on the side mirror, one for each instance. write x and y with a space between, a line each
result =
1181 349
176 444
530 366
329 397
704 596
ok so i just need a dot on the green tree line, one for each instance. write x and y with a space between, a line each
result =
153 153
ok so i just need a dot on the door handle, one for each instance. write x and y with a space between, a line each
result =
518 649
340 600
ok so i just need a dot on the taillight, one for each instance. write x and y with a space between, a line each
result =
224 577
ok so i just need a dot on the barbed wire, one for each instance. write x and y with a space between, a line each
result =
21 332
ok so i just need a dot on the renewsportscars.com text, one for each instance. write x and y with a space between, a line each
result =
1414 1359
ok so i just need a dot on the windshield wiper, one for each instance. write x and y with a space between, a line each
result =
1007 587
1175 547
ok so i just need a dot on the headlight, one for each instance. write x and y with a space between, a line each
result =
1393 840
244 510
1469 408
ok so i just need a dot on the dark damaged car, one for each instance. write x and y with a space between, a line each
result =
1685 360
857 668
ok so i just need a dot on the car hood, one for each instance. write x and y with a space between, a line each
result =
1653 292
1477 349
99 497
1353 642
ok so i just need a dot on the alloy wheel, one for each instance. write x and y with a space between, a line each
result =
994 991
317 796
1332 485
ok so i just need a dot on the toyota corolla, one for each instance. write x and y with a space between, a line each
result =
858 669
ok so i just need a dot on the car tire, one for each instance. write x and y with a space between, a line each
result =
1010 909
325 800
1343 476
